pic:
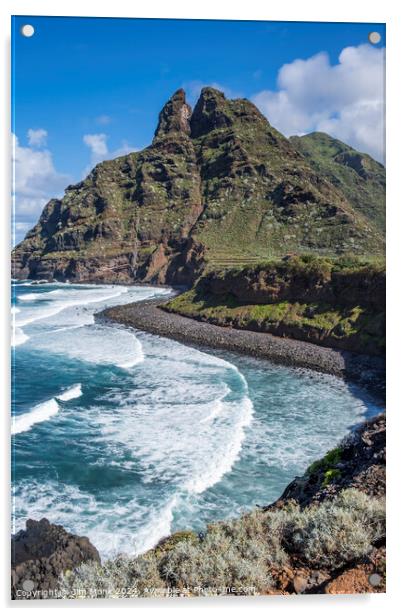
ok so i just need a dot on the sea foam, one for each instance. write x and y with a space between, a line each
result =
43 411
40 412
18 336
72 392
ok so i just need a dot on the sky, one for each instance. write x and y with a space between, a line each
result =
89 89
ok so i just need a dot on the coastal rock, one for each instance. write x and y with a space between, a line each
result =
359 462
290 280
299 584
41 553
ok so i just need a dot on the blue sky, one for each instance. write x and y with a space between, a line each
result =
86 89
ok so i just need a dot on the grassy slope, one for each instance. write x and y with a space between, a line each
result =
358 176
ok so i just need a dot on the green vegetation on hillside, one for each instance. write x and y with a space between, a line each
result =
360 178
332 302
357 328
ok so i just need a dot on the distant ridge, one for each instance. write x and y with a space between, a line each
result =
359 177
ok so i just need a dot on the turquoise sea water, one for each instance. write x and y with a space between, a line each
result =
124 437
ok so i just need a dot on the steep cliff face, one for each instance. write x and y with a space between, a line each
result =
217 185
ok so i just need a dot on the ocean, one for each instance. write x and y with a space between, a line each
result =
125 437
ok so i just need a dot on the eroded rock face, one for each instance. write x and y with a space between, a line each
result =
175 116
41 553
220 176
277 282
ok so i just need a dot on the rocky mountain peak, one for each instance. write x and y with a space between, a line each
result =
211 111
218 185
175 116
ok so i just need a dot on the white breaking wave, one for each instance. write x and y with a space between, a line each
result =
178 421
70 306
185 430
223 462
97 343
72 392
55 307
159 525
41 412
18 337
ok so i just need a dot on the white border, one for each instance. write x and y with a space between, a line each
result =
286 10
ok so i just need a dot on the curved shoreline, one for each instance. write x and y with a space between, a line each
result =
148 316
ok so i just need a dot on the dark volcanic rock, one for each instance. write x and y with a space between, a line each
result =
278 282
359 462
210 112
41 553
175 116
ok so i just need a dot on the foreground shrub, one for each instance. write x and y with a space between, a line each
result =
335 532
240 553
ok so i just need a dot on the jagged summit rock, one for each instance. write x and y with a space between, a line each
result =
219 185
214 111
175 116
210 112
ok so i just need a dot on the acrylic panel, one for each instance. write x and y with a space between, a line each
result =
198 308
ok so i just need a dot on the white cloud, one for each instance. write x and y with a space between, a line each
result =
103 119
35 177
97 145
346 99
37 138
35 181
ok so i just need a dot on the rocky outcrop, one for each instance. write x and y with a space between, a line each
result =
358 462
217 185
41 553
174 117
